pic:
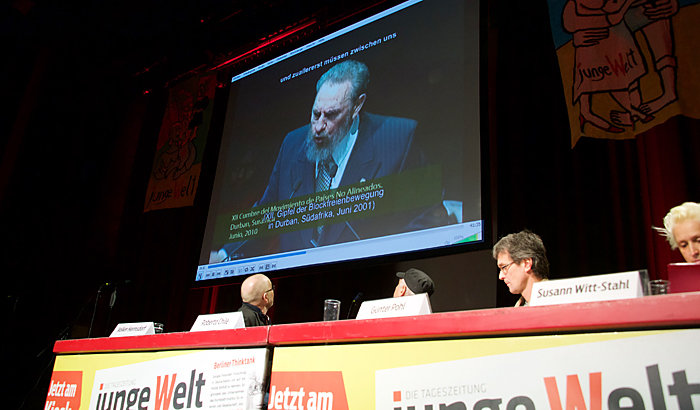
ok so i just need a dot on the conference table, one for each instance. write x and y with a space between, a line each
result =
632 353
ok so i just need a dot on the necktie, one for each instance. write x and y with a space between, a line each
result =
326 172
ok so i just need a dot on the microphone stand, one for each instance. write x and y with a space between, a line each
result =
94 309
355 300
112 301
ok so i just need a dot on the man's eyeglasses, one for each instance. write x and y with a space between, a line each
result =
504 269
271 289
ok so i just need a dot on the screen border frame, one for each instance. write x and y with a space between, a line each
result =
487 176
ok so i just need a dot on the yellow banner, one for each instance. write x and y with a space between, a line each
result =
212 378
392 375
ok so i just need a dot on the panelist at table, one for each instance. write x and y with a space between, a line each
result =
258 296
522 261
682 230
413 282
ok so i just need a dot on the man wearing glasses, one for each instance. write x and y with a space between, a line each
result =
522 261
257 295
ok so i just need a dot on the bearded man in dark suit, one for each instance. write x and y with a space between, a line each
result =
341 145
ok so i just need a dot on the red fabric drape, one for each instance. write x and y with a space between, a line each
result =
669 162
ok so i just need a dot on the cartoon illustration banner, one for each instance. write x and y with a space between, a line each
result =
626 65
181 141
648 369
204 379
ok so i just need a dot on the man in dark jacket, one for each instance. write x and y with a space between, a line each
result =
257 295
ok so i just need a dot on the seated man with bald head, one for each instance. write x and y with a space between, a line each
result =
257 295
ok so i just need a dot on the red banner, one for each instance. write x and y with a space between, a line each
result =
307 390
181 142
64 391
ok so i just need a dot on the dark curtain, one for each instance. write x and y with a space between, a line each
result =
594 204
82 146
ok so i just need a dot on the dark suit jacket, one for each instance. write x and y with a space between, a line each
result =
253 316
384 146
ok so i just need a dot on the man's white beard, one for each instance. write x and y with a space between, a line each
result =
319 153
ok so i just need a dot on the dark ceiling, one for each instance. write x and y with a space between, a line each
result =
72 161
157 41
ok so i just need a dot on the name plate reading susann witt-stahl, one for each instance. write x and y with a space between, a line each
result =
612 286
395 307
218 321
134 329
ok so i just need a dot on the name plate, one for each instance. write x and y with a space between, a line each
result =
612 286
218 321
134 329
395 307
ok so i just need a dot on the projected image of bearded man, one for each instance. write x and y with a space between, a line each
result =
342 145
335 110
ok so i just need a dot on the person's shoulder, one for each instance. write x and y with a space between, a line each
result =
298 133
246 307
390 121
294 140
392 130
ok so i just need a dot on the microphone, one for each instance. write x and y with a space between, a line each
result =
234 252
332 169
352 230
297 184
113 298
355 300
115 283
230 255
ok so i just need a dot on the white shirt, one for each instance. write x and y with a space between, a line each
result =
342 151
